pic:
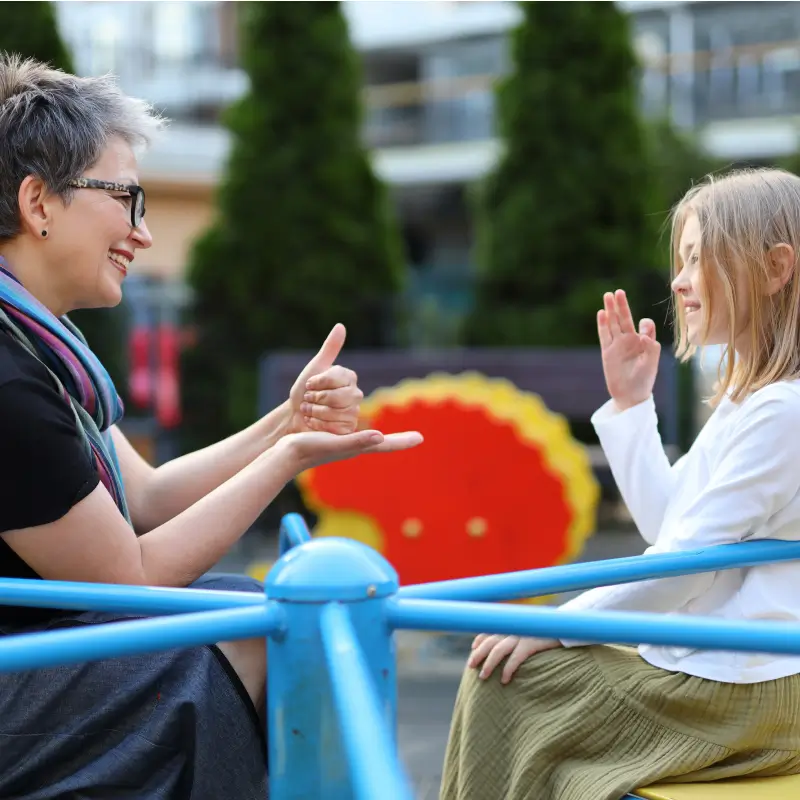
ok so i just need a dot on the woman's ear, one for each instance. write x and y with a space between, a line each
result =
34 199
781 267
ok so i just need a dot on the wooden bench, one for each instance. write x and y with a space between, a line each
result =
569 381
784 788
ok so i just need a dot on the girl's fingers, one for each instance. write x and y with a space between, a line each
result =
483 649
497 654
647 328
479 639
518 655
624 312
610 307
603 331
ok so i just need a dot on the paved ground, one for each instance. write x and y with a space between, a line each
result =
424 708
430 665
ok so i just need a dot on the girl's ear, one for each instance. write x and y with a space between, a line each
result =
782 265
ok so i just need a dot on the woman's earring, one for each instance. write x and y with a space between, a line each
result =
44 233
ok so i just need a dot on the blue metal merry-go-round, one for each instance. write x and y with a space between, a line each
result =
329 612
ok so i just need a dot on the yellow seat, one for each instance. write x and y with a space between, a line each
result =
783 788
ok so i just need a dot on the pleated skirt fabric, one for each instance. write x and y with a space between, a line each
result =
593 723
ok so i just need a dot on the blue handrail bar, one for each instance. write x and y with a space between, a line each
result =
117 599
149 600
115 639
575 577
619 627
375 770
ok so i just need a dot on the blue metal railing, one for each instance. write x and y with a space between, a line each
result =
575 577
329 613
293 532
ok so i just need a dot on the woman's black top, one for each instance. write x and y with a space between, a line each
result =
45 470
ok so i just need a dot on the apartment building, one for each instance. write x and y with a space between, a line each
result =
729 70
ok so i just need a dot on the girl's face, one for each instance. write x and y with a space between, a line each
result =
699 290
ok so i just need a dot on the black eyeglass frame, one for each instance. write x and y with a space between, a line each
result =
136 192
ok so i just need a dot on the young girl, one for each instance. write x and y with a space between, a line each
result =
562 720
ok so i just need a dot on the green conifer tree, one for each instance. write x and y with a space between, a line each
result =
304 237
567 214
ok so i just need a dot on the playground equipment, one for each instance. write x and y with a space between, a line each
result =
330 608
496 464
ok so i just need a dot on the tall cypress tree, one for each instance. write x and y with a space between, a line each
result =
304 237
30 29
567 214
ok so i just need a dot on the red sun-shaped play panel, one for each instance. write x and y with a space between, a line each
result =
479 496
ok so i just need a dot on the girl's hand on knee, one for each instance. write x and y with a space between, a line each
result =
491 649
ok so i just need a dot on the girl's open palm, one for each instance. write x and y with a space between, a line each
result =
630 357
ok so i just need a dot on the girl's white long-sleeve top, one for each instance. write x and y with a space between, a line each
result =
739 481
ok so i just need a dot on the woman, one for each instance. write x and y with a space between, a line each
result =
562 721
78 504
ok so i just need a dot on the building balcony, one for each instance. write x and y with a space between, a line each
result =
430 112
193 92
744 104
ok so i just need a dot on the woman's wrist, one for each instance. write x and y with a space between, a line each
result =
282 457
275 425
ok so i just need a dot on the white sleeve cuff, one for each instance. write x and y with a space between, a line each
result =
609 415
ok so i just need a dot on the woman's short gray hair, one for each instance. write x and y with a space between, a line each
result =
56 126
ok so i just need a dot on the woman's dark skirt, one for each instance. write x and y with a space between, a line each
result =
176 725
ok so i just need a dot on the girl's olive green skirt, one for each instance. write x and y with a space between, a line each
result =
593 723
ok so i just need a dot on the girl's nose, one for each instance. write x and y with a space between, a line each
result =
679 285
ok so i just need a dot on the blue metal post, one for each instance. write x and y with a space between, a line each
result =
307 759
293 531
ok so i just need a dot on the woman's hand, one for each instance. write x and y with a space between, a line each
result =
325 396
314 448
490 649
630 359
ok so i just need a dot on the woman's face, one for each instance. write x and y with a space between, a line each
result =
90 241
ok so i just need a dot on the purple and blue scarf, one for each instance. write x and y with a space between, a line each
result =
78 374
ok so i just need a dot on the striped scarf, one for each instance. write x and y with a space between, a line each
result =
77 373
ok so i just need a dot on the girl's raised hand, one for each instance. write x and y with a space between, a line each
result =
630 357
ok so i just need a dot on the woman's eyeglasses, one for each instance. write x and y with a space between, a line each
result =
136 193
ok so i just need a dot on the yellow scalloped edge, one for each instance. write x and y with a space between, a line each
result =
360 527
528 415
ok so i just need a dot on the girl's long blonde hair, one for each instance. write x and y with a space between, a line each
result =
743 215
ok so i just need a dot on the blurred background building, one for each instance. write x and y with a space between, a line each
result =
728 70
